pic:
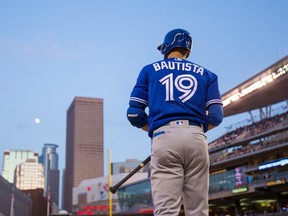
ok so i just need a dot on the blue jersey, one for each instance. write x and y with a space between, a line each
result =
175 89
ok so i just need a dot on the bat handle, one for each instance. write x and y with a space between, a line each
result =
112 190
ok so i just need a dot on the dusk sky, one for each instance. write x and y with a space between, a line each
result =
52 51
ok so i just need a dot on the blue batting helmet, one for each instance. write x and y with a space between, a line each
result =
176 38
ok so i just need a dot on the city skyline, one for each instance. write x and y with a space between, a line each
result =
55 192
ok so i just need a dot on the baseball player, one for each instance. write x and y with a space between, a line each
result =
184 102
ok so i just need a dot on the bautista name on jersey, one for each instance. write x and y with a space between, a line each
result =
172 86
178 65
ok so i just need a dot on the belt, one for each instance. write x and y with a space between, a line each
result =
183 122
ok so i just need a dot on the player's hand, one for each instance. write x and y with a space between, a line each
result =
145 128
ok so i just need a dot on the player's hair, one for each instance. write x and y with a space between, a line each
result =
184 52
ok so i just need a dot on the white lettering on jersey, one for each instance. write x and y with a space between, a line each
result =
184 66
156 66
164 65
185 83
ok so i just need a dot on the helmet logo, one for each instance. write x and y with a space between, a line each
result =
178 38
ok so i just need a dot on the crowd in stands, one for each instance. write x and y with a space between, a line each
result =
252 129
246 148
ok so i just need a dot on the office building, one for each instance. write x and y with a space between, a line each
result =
12 158
49 159
84 144
29 175
39 202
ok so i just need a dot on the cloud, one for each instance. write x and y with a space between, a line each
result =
22 126
16 46
44 48
56 51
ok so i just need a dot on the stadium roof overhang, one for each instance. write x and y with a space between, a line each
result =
266 88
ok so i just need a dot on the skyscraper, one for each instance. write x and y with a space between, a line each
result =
49 159
12 158
84 144
29 175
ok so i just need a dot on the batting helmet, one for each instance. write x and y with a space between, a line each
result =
176 38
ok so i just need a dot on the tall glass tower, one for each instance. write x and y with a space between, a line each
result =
49 159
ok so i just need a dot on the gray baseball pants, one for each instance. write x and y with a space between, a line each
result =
180 170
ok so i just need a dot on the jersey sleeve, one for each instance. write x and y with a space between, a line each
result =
139 94
213 93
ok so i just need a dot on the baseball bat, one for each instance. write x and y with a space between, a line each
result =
114 188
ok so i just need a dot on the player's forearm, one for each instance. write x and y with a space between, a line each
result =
215 115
